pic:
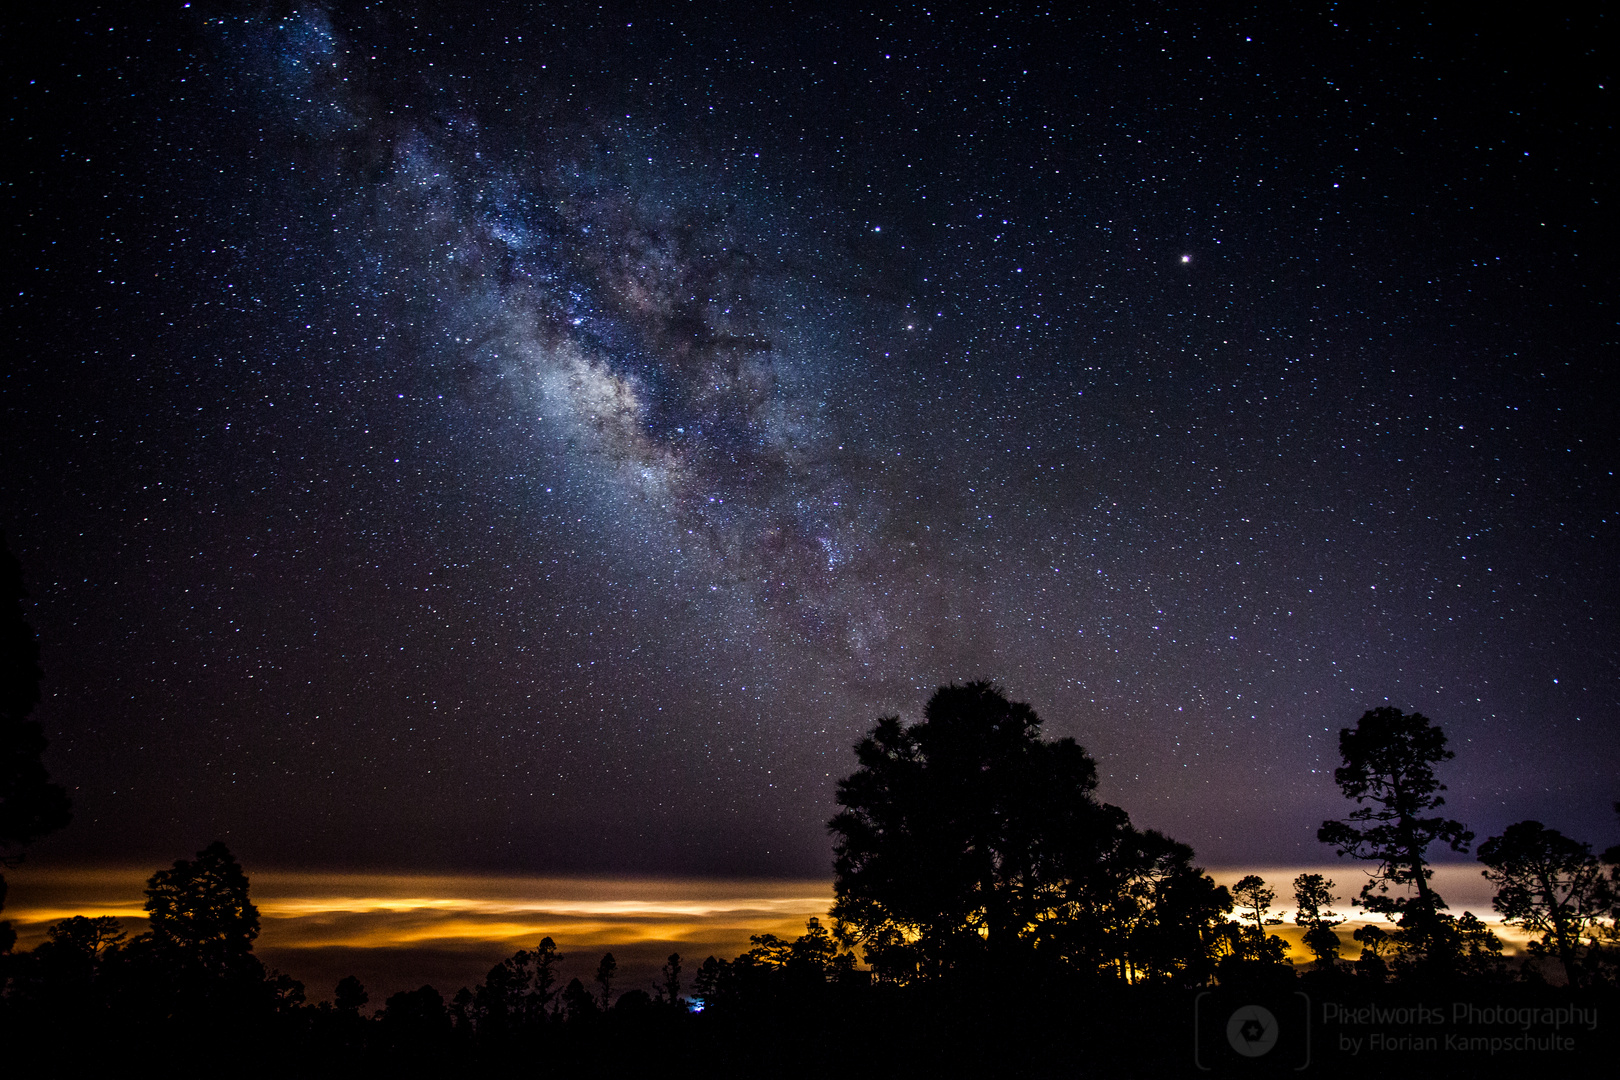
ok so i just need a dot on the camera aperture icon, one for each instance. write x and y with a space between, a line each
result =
1252 1031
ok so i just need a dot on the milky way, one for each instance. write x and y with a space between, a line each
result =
664 319
548 440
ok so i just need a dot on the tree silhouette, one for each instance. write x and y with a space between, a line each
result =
1142 911
812 955
1252 893
605 973
30 805
669 990
1388 769
415 1023
1477 948
92 938
634 1005
65 973
1611 859
776 975
578 1005
1374 943
201 916
503 1002
519 993
1549 884
962 835
1313 903
350 996
546 959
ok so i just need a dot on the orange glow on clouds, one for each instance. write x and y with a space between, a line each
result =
381 911
399 930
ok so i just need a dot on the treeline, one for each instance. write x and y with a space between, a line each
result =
990 915
967 845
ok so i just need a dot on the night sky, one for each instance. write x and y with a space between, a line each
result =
545 439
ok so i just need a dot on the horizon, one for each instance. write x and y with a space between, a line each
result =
398 931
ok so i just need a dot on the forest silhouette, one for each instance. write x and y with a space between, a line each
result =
991 916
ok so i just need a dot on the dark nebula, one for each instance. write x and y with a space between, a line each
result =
544 439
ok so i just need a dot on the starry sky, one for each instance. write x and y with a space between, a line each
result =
543 438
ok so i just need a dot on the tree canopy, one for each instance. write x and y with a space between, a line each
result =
966 839
1550 884
1253 898
1313 911
200 945
1388 769
200 907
